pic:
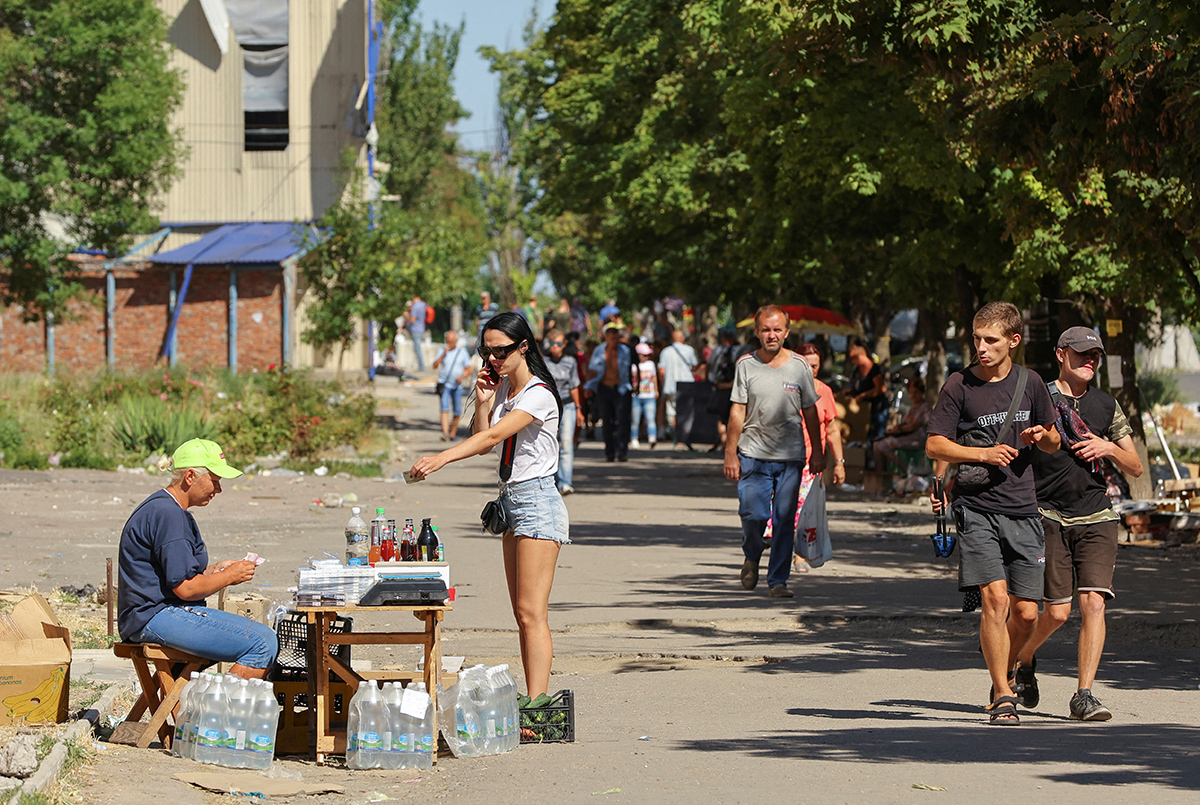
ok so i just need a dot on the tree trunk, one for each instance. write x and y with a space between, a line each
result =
1121 345
706 328
933 333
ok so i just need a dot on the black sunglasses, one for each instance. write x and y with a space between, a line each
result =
500 353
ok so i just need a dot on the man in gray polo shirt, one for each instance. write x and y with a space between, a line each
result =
773 398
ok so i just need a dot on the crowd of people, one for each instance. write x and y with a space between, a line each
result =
1029 489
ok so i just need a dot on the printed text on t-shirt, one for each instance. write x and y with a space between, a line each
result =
995 419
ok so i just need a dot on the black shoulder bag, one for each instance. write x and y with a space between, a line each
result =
975 477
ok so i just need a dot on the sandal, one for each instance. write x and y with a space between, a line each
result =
1003 712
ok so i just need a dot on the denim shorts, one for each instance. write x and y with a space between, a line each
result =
219 636
536 509
452 399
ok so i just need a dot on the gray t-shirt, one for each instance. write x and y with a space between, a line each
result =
774 428
676 361
565 372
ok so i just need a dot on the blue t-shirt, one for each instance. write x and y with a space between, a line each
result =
160 549
417 325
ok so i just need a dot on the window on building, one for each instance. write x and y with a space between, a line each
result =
261 27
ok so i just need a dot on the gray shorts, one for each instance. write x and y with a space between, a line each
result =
996 547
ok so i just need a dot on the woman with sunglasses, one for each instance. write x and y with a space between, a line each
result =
516 395
565 371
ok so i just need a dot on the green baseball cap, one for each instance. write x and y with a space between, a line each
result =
196 453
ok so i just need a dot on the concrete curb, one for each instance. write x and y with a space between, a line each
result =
51 765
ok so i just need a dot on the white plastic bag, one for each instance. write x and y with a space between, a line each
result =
812 535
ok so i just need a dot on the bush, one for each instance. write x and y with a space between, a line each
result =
12 437
149 425
1159 387
86 458
25 458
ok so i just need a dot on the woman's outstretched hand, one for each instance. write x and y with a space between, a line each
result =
426 465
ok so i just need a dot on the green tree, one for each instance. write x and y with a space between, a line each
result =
86 97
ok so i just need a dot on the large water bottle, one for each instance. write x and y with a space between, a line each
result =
423 727
191 718
365 728
264 722
177 740
211 723
514 709
358 538
237 725
495 719
393 737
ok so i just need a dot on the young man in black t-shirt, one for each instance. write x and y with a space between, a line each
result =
1080 525
1001 547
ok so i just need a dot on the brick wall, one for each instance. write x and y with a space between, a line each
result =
142 317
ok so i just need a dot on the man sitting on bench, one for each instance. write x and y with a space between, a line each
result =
165 574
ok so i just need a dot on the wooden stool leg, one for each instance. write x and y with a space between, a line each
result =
169 687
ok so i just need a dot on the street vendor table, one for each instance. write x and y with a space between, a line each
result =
322 739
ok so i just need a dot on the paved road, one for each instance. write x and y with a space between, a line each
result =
689 688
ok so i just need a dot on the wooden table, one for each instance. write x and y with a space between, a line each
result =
322 739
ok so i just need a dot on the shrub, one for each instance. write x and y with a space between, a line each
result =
25 458
86 458
12 437
149 425
1159 387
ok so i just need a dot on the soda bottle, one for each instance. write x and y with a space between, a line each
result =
378 526
358 538
387 551
264 721
408 548
427 543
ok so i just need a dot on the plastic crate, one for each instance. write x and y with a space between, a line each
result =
554 723
292 663
291 736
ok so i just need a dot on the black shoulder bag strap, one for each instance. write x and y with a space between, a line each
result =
508 450
1022 377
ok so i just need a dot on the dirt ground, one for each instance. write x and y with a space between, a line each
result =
865 685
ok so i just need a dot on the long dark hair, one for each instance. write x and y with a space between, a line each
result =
514 326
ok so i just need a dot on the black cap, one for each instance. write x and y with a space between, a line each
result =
1080 339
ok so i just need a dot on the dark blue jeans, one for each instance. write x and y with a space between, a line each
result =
769 490
614 408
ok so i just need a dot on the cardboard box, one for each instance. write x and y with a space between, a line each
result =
35 669
856 462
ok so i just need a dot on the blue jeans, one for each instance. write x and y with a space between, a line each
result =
566 445
769 490
536 510
211 633
418 340
648 407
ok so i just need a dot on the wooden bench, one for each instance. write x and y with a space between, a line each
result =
160 688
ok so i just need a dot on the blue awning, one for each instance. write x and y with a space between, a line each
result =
238 244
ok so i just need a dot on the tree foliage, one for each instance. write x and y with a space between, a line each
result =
86 97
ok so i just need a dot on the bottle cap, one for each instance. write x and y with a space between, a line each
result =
379 510
354 510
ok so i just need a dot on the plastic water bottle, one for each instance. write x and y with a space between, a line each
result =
177 741
510 696
211 723
365 728
264 722
191 717
237 725
495 719
393 738
466 719
358 538
424 732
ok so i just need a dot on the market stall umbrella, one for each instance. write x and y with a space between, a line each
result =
807 319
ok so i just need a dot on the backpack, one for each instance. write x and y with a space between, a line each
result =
429 314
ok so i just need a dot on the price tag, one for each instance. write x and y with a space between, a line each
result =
1114 327
414 703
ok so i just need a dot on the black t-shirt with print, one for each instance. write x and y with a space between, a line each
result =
968 403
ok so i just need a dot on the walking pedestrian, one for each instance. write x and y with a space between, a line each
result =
515 399
454 369
645 397
1006 409
565 371
610 388
1077 516
676 364
484 313
774 400
416 329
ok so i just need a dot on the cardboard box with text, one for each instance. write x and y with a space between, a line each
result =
35 664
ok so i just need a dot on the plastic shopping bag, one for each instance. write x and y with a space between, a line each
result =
812 536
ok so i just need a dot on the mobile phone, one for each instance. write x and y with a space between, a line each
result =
492 374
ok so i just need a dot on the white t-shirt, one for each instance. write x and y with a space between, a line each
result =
537 443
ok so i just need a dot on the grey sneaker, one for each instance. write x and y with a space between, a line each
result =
781 591
1086 707
749 574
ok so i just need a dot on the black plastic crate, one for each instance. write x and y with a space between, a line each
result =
554 723
292 630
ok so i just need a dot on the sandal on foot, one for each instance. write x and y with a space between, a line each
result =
1003 712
